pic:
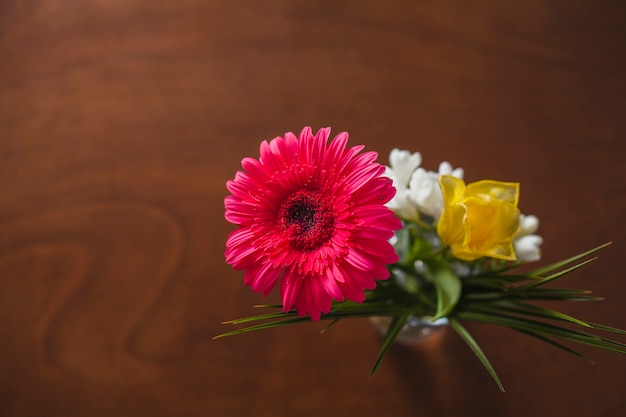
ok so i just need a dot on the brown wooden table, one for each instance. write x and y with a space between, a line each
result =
121 120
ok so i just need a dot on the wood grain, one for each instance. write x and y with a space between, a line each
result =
121 120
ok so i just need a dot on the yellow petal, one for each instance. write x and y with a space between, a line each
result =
452 226
452 189
502 250
505 191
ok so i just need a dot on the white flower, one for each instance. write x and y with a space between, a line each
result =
526 243
417 190
424 190
400 203
403 163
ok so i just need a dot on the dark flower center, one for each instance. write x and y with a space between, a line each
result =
307 217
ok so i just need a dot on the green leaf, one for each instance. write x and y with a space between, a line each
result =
477 350
421 249
448 287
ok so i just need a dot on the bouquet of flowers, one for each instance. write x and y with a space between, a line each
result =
345 237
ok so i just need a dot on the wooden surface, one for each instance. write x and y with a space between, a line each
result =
121 120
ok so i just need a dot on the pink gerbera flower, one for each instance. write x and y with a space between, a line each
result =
312 214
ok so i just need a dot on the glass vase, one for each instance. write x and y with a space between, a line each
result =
416 330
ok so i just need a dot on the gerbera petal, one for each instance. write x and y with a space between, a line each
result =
242 185
361 177
378 191
331 287
336 148
237 255
352 292
289 290
239 237
359 260
313 145
262 279
348 155
379 215
255 169
338 275
380 250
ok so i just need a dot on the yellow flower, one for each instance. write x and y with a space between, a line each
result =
479 219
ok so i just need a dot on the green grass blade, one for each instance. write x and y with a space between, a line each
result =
277 315
329 325
607 328
555 343
392 332
554 276
477 350
494 280
280 318
356 309
262 326
556 294
500 270
545 329
552 267
526 310
268 306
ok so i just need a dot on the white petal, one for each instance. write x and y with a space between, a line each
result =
445 168
425 193
401 205
528 224
527 248
404 163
